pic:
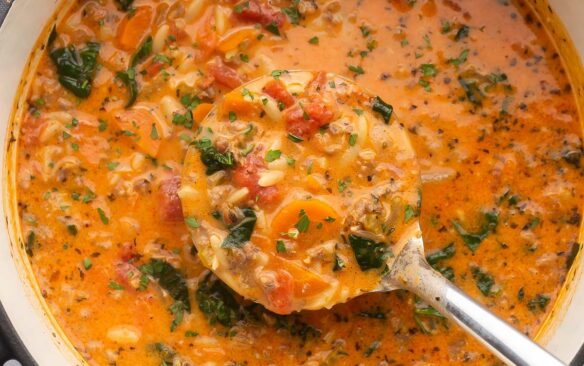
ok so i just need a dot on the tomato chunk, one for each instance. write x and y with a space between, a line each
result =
281 292
224 75
303 121
277 90
255 11
247 175
170 208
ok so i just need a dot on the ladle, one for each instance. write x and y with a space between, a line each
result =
409 270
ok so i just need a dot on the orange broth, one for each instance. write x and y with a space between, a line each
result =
478 84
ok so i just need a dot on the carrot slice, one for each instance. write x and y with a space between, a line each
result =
314 219
141 126
134 28
235 37
201 111
234 102
306 283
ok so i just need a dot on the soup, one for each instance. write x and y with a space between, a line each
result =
121 93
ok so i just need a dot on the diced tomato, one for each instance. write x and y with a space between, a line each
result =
303 121
247 175
128 252
277 90
281 293
257 12
153 68
224 75
170 208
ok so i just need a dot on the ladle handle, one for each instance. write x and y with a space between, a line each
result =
411 272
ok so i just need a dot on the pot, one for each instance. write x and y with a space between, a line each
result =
28 330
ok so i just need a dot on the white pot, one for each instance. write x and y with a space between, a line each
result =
563 335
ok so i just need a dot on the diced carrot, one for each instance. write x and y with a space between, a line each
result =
235 37
201 111
134 28
234 102
323 221
142 127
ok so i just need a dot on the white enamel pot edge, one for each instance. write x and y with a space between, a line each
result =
28 314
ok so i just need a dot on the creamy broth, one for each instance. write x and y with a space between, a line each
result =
121 93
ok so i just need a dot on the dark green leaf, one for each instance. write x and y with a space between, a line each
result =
483 280
473 240
213 159
444 253
272 155
218 303
368 253
384 109
128 77
240 233
76 68
294 138
170 279
356 69
142 53
339 264
472 91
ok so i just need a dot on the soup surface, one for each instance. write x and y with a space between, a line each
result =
120 95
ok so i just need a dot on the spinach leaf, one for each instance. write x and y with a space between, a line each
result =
381 107
444 253
170 279
296 327
240 233
124 5
473 240
76 68
218 303
128 77
213 159
142 53
368 253
483 280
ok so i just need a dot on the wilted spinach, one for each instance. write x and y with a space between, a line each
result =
381 107
218 302
213 159
142 53
76 68
368 253
484 281
240 233
473 240
170 279
128 77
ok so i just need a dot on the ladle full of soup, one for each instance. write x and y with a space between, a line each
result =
302 191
